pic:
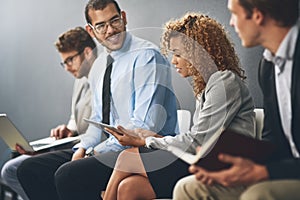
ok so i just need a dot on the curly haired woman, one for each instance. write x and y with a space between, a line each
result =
201 49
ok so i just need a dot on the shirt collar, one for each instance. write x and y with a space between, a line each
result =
286 49
124 47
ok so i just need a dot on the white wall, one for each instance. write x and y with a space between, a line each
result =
36 92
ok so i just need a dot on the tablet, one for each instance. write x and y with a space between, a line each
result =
101 125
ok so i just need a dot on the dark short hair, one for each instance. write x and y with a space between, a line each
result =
286 12
98 5
76 39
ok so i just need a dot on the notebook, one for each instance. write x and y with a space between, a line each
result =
229 142
11 135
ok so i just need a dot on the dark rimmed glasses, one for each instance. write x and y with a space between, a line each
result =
101 28
69 60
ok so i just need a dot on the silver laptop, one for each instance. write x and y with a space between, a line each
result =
11 135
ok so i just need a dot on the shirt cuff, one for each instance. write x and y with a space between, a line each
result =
148 142
76 147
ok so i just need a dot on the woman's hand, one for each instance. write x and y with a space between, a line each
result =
133 137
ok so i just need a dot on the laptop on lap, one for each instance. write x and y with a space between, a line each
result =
11 136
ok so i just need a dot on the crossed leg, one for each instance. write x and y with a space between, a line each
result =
128 175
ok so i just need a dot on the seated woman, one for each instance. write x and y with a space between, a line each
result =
201 49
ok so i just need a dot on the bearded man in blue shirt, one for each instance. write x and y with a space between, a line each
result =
140 96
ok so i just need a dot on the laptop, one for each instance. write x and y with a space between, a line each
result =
11 135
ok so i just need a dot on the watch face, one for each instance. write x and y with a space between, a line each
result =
89 151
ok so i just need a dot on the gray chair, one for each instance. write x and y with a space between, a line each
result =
184 120
259 121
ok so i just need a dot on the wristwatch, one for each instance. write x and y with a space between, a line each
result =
90 152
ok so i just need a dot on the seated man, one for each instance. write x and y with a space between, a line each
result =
141 95
78 52
274 25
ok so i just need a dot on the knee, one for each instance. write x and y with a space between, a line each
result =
9 169
189 188
124 189
25 169
180 188
256 192
7 172
62 175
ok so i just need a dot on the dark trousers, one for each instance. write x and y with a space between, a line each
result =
52 176
163 170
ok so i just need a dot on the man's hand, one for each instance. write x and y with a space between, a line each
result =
60 132
242 172
21 150
127 137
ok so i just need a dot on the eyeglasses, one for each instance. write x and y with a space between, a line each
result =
102 27
69 60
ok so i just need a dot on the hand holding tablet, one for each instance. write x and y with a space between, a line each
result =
103 126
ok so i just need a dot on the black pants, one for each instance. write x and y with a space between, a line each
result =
51 176
163 170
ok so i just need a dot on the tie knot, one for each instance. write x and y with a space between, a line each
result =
109 60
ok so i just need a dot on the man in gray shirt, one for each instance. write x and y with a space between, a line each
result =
78 52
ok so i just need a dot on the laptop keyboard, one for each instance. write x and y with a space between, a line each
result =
39 144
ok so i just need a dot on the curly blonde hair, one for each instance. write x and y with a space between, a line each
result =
215 49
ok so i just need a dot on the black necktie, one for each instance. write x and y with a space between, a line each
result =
106 91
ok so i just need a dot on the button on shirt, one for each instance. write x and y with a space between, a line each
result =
141 89
283 62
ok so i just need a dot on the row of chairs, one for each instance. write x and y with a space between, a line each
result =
184 121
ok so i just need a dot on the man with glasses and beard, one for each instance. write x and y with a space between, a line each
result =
78 52
140 96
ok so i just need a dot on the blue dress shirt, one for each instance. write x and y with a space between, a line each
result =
141 93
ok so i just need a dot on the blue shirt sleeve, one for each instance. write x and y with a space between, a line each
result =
142 96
